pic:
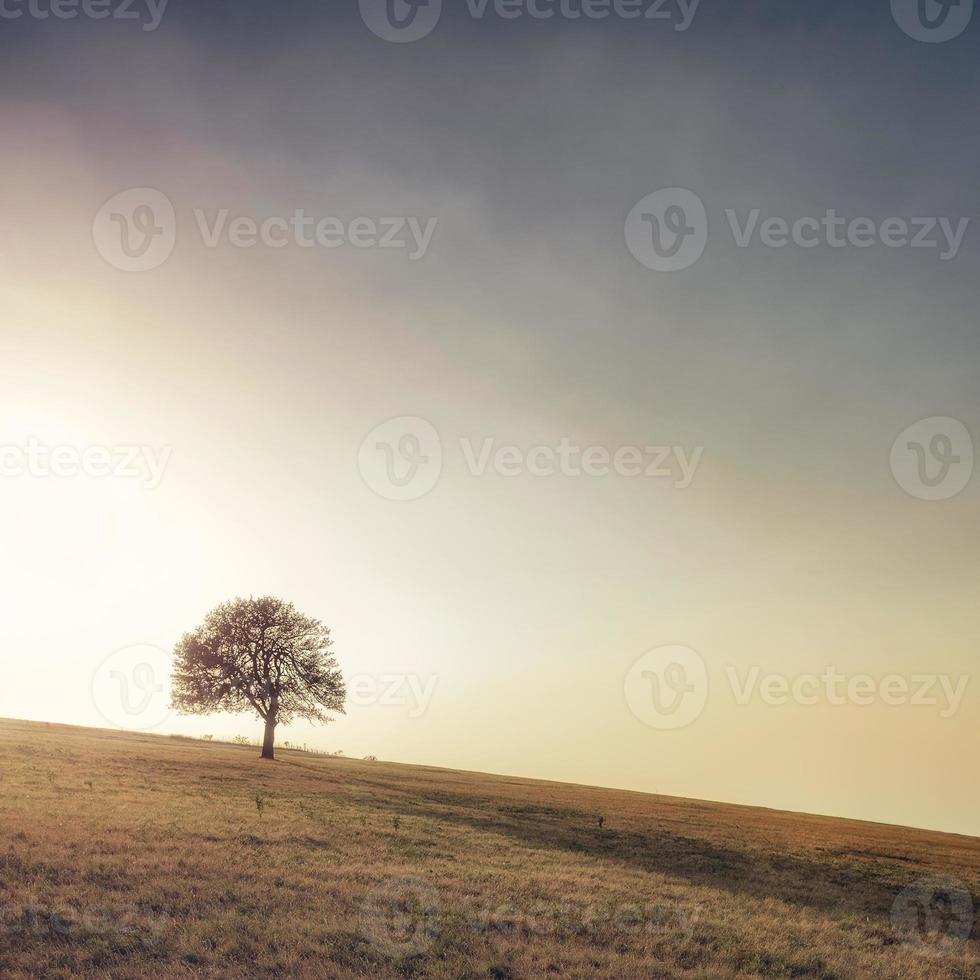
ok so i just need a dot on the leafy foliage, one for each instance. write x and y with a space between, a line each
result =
261 655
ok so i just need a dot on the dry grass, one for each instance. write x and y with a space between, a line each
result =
137 856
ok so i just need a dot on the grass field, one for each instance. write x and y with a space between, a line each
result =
129 856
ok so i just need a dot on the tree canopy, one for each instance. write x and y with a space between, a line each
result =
258 655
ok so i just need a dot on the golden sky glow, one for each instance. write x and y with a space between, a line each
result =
513 606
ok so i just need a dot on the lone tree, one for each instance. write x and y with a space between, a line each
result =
258 655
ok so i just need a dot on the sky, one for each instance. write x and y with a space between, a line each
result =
608 386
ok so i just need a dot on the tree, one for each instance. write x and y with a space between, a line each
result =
258 655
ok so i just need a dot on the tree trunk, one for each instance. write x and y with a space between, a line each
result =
269 744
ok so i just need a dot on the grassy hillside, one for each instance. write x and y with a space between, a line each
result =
129 856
